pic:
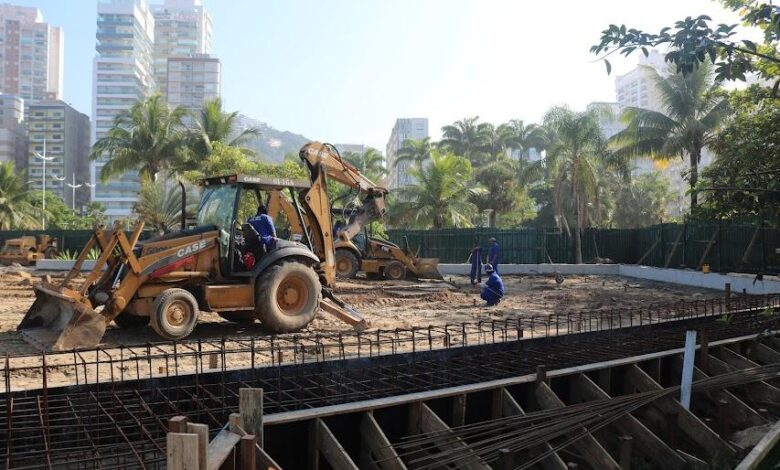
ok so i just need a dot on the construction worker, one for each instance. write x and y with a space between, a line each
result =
264 225
476 264
337 228
493 290
494 254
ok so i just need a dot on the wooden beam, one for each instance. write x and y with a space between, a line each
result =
378 452
650 445
332 450
688 422
247 457
202 431
508 406
694 463
764 354
760 391
430 422
588 446
221 448
182 451
761 450
250 406
737 410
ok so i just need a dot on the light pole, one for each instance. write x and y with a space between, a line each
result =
45 159
73 186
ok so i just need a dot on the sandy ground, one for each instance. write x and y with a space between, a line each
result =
387 305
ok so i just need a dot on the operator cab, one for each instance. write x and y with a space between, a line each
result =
227 202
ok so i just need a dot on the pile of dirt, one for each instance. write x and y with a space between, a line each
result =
15 272
441 296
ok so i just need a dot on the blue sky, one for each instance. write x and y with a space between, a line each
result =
344 70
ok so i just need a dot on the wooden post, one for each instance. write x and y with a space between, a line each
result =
202 431
182 451
722 420
541 373
625 451
727 295
178 424
704 348
213 360
250 406
687 370
505 459
458 410
247 457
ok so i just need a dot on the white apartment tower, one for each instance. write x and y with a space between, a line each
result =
31 54
636 88
190 81
182 28
122 75
404 129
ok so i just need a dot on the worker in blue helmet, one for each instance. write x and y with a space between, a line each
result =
493 290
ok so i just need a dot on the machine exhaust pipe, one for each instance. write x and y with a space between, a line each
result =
183 206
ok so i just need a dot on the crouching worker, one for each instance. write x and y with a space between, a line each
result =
493 289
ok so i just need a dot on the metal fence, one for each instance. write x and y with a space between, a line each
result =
724 247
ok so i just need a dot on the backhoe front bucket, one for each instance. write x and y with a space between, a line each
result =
58 321
428 268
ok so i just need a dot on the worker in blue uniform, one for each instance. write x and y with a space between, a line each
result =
264 225
476 264
493 290
494 254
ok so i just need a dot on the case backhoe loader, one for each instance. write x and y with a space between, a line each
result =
167 280
373 256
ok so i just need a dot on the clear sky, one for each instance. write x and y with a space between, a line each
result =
344 70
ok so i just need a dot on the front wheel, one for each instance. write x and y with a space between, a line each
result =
347 264
174 314
395 271
288 295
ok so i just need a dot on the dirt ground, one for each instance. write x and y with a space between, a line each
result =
387 305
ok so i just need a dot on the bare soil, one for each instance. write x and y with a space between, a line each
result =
387 305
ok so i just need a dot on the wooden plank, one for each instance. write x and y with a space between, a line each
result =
689 423
182 451
250 406
591 450
765 354
694 463
202 431
645 441
430 422
379 452
332 449
761 450
760 391
737 410
177 424
510 407
221 448
247 457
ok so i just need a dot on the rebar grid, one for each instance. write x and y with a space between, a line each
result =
173 358
123 424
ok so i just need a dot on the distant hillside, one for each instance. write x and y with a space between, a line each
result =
272 144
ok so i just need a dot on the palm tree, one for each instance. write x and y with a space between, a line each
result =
693 113
160 207
467 138
575 159
523 137
371 163
146 137
416 151
215 125
440 195
16 211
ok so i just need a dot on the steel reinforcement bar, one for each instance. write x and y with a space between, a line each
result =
123 424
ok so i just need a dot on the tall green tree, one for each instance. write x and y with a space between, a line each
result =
640 202
468 138
416 151
147 137
213 124
694 110
500 183
440 196
574 158
371 163
16 211
160 206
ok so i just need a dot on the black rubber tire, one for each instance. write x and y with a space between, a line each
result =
347 264
283 284
395 271
241 316
183 304
128 320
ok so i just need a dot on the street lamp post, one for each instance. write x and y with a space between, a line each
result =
73 186
45 159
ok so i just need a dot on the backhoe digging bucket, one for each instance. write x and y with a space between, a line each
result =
58 321
428 268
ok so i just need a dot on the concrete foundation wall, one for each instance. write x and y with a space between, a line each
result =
739 281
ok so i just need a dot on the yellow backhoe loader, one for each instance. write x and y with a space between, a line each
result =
167 280
373 256
26 250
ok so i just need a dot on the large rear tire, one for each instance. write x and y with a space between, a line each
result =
347 264
238 316
288 296
128 320
395 271
174 314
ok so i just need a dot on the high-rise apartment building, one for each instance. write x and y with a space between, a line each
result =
636 88
193 80
13 143
31 54
122 75
404 129
58 131
182 28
